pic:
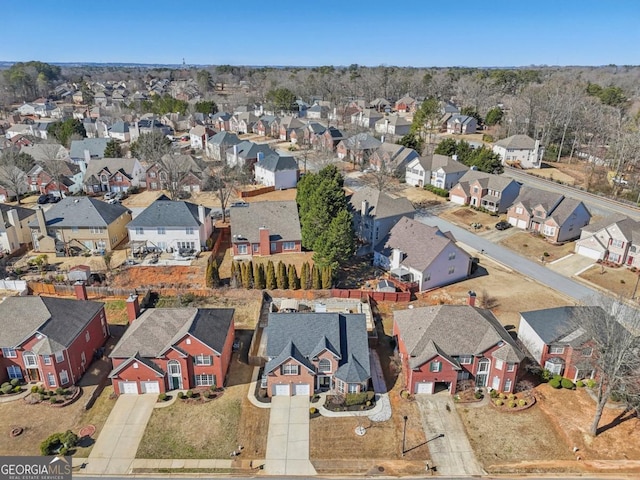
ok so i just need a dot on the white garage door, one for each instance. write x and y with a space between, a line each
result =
522 224
129 387
457 199
150 387
281 390
589 252
302 389
424 387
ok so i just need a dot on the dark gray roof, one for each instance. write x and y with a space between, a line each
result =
532 197
96 147
453 330
60 320
82 212
362 141
167 213
224 138
486 180
249 150
381 205
157 329
554 325
276 163
566 208
302 336
517 142
22 212
449 165
281 218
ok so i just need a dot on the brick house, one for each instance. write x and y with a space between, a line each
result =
50 340
113 175
443 345
330 139
485 190
172 348
406 104
392 158
555 340
184 167
265 228
310 352
59 176
358 148
613 239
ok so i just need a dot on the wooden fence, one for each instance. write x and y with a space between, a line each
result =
256 192
376 296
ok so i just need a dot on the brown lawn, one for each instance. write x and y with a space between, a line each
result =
296 259
160 277
116 311
620 281
464 216
209 430
534 247
41 420
552 173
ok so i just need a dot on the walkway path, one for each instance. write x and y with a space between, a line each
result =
116 447
288 437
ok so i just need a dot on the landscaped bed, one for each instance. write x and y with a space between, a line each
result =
351 402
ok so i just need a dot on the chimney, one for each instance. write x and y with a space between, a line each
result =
365 208
133 308
12 218
382 137
42 223
201 214
397 256
81 290
87 156
471 298
260 156
265 244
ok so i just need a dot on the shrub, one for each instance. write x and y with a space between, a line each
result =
503 396
441 192
59 442
189 394
162 397
555 383
355 399
478 395
6 388
14 382
511 396
180 395
368 404
579 384
512 404
566 383
4 384
591 383
53 400
499 402
494 393
17 389
404 394
207 394
522 402
487 138
545 254
34 389
313 410
59 391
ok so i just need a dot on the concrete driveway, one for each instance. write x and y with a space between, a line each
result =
116 447
451 454
571 264
288 437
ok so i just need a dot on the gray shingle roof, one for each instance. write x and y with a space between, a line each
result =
249 150
96 147
281 218
486 180
295 335
277 163
167 213
449 165
120 127
112 165
517 142
553 325
362 141
453 330
381 205
157 329
565 209
22 212
224 138
82 212
532 197
60 320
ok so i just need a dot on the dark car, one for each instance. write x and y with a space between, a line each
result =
53 198
42 199
503 225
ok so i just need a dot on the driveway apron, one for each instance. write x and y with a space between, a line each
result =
116 446
288 437
451 453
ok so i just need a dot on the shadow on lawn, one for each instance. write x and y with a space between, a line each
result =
625 415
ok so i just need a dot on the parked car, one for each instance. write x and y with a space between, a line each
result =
113 201
54 198
121 196
109 195
503 225
42 199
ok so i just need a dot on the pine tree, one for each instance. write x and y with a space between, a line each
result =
259 279
270 280
250 274
294 282
326 277
304 276
213 275
281 276
235 275
315 277
256 274
244 275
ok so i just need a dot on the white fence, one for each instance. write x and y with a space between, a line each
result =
16 285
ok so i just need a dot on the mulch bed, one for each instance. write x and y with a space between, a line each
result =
528 397
74 392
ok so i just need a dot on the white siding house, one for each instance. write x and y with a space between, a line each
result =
520 150
277 170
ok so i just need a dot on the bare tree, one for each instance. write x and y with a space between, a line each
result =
13 171
177 169
150 147
224 182
55 165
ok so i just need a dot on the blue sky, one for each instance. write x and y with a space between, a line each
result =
283 32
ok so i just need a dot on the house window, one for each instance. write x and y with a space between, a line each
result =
554 367
519 210
507 385
475 189
154 185
466 360
202 359
9 353
340 386
273 246
14 372
256 247
51 379
435 366
162 231
289 246
556 350
83 358
452 270
353 388
587 352
617 243
242 249
87 337
59 357
499 364
98 230
46 359
30 360
189 230
427 277
290 369
139 231
511 367
324 366
152 174
64 377
118 178
452 256
549 231
205 380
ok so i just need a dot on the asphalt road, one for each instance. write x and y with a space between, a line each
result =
503 255
596 204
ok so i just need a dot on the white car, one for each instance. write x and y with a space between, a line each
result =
109 195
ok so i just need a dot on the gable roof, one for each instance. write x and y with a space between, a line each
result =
224 138
302 336
120 127
157 329
566 208
560 324
96 147
276 162
531 197
21 211
380 204
83 212
248 150
281 218
436 161
394 119
453 330
486 180
362 141
60 320
517 142
111 165
168 213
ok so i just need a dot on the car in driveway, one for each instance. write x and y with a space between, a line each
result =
503 225
42 199
109 195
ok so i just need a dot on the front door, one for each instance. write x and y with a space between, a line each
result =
34 374
175 375
483 373
324 383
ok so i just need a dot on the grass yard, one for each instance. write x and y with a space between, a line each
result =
620 281
116 311
534 247
210 430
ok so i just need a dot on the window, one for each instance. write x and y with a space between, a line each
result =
289 246
136 365
435 366
9 353
59 357
51 379
242 249
507 385
205 380
256 247
466 360
617 243
152 174
587 352
273 246
64 377
549 230
202 359
519 210
427 277
353 388
452 256
14 372
162 231
499 364
139 231
98 230
290 369
154 185
83 358
324 366
118 178
189 230
46 359
30 360
340 386
511 367
556 350
452 270
87 337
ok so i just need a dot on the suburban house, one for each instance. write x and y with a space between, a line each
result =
374 214
279 170
218 144
50 340
113 175
380 104
291 129
330 139
46 152
358 148
366 118
485 190
406 104
393 125
168 225
246 153
172 349
553 215
12 177
182 169
462 124
120 131
392 158
221 121
265 228
79 223
615 239
243 122
316 352
313 132
317 112
87 149
415 253
556 341
520 151
437 170
57 177
198 136
444 345
267 126
14 227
